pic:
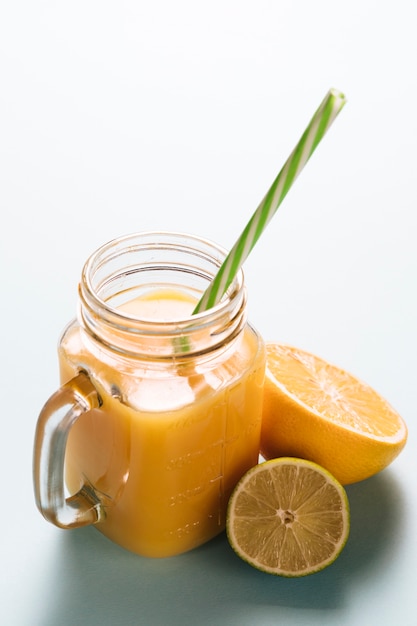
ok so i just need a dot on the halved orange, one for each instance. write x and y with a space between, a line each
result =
318 411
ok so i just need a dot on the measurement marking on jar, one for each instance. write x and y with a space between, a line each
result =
189 494
186 529
191 457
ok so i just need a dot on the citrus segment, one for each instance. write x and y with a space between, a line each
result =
288 517
317 411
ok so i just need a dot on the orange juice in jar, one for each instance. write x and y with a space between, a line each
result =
159 412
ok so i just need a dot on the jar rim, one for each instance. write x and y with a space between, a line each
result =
212 252
132 265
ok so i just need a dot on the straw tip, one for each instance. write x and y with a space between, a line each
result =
336 93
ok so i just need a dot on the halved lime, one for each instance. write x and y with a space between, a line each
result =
288 517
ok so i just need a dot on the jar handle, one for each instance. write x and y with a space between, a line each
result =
60 412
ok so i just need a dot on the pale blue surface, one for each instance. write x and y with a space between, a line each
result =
101 584
116 117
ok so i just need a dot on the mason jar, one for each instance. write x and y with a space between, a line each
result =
159 411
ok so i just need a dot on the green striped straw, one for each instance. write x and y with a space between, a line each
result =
315 131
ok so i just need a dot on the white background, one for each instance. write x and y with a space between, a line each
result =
124 116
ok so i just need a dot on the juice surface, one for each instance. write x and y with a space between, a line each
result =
168 445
